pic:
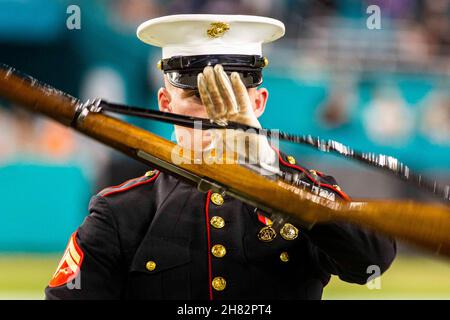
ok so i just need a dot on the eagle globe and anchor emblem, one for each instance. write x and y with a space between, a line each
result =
217 29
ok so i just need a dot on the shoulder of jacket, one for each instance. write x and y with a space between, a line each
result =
130 203
315 177
148 177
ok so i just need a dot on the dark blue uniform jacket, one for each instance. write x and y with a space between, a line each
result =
152 238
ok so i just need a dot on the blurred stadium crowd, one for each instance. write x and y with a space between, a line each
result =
383 90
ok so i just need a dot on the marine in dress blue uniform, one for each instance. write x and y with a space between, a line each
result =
156 237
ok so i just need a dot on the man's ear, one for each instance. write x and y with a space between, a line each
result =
261 96
164 99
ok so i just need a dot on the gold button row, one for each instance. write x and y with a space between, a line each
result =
218 250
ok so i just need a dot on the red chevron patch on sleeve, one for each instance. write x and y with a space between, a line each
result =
70 264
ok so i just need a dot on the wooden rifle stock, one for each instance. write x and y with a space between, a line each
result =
426 225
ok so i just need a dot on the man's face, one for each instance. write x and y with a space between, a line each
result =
187 102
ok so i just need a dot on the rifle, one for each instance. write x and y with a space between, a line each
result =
425 225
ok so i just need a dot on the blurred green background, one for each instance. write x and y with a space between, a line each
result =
26 276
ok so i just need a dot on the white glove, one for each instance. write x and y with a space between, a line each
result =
226 99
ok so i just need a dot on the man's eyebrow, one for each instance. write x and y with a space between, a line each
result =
188 93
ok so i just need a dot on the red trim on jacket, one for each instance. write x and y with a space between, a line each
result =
130 186
329 186
208 238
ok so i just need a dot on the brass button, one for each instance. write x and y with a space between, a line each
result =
217 222
219 283
267 234
218 250
284 256
337 187
266 62
150 173
291 159
289 232
151 265
217 199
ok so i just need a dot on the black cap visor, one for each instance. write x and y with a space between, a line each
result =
182 71
188 79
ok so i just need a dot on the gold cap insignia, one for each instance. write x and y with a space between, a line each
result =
217 29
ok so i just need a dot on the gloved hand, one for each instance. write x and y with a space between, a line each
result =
226 99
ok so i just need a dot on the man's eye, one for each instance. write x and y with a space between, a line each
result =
195 94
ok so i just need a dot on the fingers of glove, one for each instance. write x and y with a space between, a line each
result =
220 111
204 95
240 92
226 91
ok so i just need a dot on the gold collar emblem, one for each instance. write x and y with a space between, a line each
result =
217 29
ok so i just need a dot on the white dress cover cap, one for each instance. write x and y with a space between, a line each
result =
200 34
